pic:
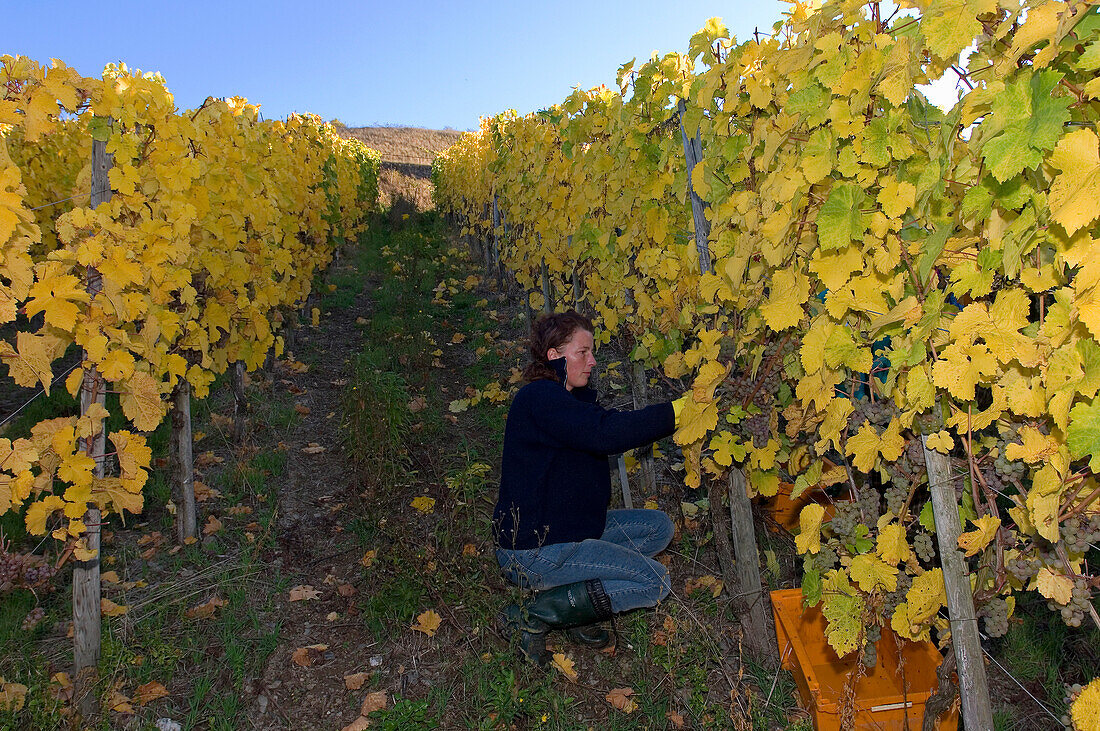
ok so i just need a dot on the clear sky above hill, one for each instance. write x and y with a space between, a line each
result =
424 63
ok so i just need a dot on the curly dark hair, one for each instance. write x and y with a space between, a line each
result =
552 331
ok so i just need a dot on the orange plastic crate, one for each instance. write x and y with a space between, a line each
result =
785 511
885 698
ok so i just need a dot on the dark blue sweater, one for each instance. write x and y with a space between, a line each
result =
555 485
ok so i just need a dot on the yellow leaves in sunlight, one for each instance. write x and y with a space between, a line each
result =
867 445
789 291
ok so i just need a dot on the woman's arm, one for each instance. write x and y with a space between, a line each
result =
591 428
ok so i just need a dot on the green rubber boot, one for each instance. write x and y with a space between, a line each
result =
561 607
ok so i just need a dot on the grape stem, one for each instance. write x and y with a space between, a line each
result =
1084 504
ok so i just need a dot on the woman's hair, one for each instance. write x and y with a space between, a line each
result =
552 331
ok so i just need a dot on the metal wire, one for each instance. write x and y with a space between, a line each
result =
65 200
41 392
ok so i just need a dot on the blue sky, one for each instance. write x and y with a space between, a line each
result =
419 62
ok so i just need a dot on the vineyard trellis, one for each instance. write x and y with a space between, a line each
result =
885 276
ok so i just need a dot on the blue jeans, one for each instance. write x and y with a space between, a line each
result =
622 558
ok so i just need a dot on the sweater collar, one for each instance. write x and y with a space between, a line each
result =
585 393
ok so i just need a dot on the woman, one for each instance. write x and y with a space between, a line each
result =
553 529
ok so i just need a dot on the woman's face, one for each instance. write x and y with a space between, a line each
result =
579 360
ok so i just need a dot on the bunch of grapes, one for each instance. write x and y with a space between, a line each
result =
995 614
870 649
1006 469
23 571
1079 532
1023 568
870 505
1070 693
878 413
844 521
896 495
897 596
827 557
38 576
923 545
1074 612
33 617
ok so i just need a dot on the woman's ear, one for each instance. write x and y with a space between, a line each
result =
552 353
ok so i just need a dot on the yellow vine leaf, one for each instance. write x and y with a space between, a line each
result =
783 308
695 421
39 511
141 402
961 367
1086 709
872 573
809 536
710 375
843 609
975 541
893 547
867 444
1054 586
941 441
1073 200
1036 447
924 599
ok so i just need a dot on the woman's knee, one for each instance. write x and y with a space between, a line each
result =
664 528
662 581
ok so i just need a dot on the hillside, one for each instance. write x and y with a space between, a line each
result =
407 154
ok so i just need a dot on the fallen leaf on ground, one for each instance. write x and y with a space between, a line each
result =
340 382
109 609
221 422
368 558
375 701
469 550
119 703
418 404
309 655
240 510
313 448
205 459
213 525
459 405
149 692
356 680
203 492
458 338
12 695
704 582
423 503
109 577
451 418
345 590
302 410
332 616
620 698
360 724
427 622
676 719
361 321
565 665
206 609
305 592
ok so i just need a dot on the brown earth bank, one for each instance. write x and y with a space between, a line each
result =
407 154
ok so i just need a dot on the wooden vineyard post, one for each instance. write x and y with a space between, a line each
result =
86 581
746 557
547 290
624 482
240 403
498 267
183 466
970 665
645 455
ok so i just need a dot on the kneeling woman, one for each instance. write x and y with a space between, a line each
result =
553 530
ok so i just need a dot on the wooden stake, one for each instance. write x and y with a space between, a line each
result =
759 636
547 290
645 455
624 482
976 711
240 402
183 465
86 582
